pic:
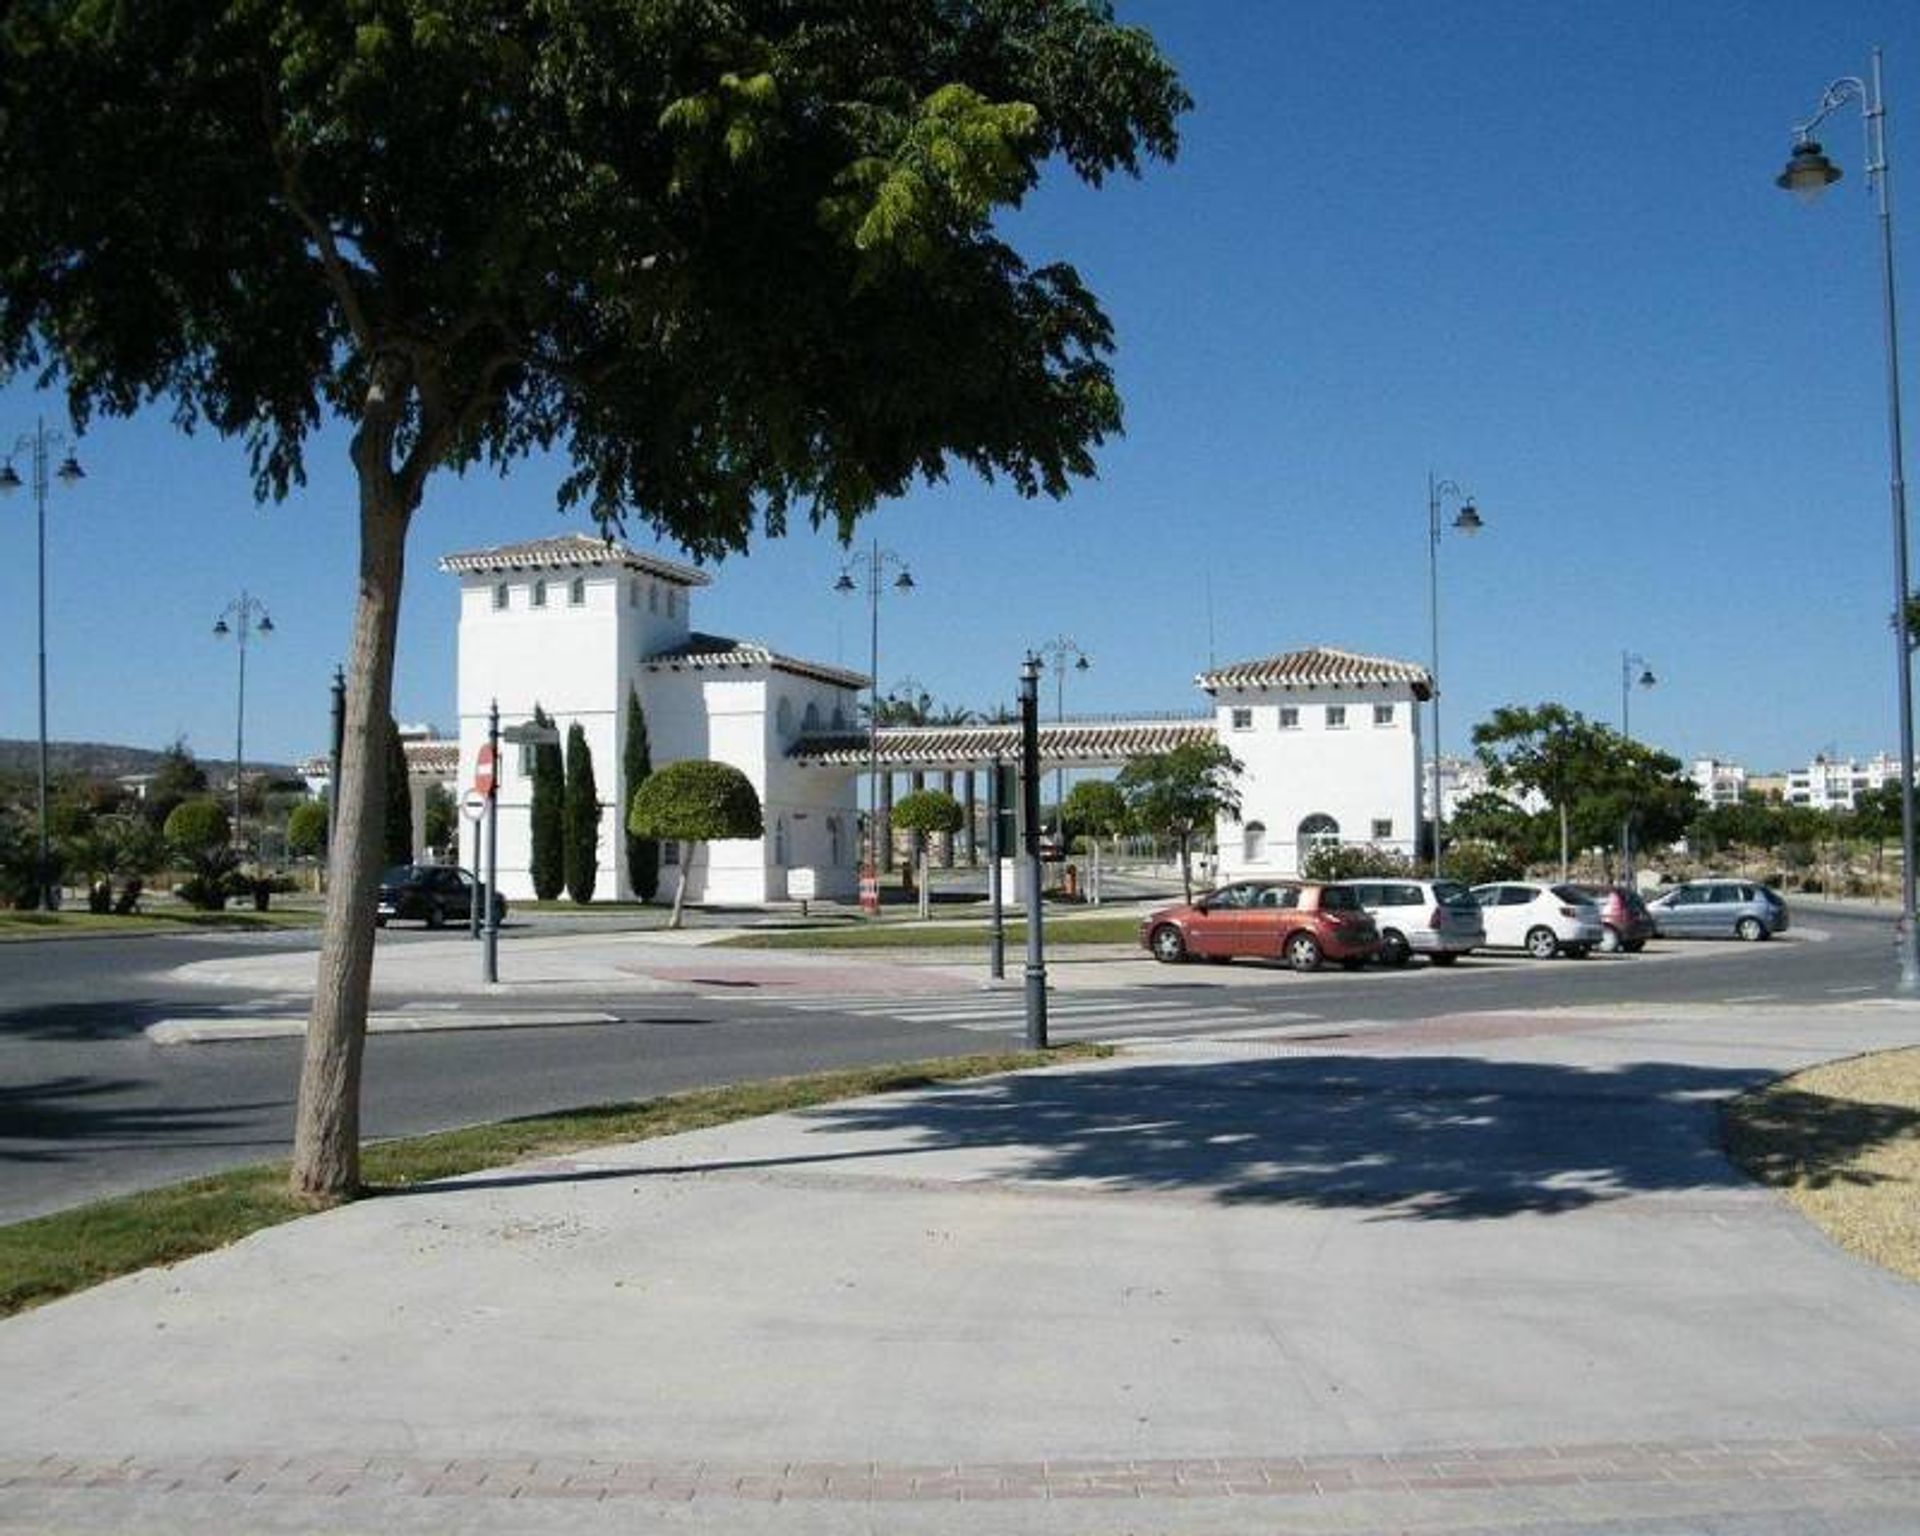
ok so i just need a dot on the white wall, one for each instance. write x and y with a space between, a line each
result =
1358 773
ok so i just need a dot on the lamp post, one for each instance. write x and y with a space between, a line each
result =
1467 522
1060 653
249 615
40 443
1809 173
1628 661
878 562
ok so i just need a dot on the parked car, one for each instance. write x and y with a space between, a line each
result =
430 893
1625 923
1296 921
1435 918
1544 920
1719 909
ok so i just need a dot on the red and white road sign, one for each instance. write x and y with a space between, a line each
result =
483 771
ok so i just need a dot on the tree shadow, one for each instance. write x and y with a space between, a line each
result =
1788 1139
121 1019
1412 1138
60 1119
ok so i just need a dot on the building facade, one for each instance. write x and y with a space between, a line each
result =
1717 781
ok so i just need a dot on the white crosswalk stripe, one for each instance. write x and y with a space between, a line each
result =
1093 1017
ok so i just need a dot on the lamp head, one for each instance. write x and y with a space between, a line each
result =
9 478
220 628
1647 679
844 584
1082 664
1809 172
70 471
903 582
265 626
1468 522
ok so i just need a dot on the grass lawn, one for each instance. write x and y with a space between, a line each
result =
911 934
1842 1142
70 924
53 1256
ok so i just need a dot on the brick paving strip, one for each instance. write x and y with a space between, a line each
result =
1830 1459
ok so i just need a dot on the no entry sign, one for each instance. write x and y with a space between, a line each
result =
483 772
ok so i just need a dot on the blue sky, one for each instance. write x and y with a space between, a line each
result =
1534 247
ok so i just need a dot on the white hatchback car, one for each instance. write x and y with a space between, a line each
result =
1435 918
1544 920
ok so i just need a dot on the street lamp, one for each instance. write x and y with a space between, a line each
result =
40 442
1060 652
1628 661
1466 522
1808 173
878 562
249 615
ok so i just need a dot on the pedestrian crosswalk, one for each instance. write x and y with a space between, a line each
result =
1080 1016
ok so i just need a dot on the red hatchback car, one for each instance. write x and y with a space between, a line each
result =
1288 920
1626 924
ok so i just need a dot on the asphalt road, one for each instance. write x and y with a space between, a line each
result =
88 1106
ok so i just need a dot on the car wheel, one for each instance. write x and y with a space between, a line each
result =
1168 944
1302 952
436 915
1542 943
1443 958
1394 948
1577 951
1610 942
1751 929
1635 947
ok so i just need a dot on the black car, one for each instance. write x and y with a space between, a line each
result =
430 893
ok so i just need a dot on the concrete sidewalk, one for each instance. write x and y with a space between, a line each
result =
1474 1272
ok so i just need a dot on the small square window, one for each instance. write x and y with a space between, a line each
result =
633 594
500 597
1289 717
1336 717
577 592
653 598
673 603
527 749
670 854
1382 828
539 594
1383 714
1243 719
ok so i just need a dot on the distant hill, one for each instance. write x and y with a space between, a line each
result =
101 760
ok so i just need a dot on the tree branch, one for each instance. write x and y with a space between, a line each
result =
331 261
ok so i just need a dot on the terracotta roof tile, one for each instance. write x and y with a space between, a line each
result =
1092 743
716 651
1318 666
571 549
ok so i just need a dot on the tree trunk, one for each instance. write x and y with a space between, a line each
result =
926 898
326 1143
1563 843
1186 866
680 885
946 843
973 835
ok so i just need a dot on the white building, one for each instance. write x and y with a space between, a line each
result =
1717 781
572 624
1330 740
1832 784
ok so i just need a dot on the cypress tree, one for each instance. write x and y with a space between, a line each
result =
643 853
548 834
582 817
397 824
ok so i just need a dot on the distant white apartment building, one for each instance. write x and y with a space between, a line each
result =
1718 781
1833 784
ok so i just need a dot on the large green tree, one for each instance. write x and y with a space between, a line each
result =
582 817
396 823
1176 794
1547 749
731 259
636 762
690 802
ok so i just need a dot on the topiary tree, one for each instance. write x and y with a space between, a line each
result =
925 812
396 835
199 835
636 762
582 814
547 817
307 829
694 801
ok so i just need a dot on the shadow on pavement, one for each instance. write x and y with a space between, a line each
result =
61 1118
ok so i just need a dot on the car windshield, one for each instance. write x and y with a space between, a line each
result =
1339 898
1452 893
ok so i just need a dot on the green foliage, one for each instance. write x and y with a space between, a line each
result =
199 835
177 777
1494 822
443 818
582 813
643 853
928 810
307 829
1175 794
1349 861
548 815
696 801
396 824
1096 808
1473 862
19 854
